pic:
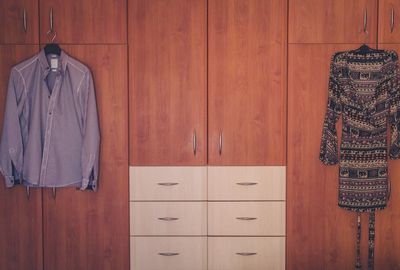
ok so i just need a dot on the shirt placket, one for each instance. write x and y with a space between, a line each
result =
49 125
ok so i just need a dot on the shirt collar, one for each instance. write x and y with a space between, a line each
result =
45 65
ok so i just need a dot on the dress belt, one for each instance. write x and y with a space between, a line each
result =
371 241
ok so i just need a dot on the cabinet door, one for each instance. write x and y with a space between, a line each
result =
84 22
320 235
387 244
19 22
167 43
332 21
389 21
21 218
84 229
246 82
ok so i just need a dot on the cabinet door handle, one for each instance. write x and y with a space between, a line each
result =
391 20
51 20
167 184
24 22
28 192
220 143
194 142
246 183
54 193
246 218
168 218
168 254
246 253
365 20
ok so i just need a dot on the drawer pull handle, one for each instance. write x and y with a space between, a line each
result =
365 20
246 183
168 218
246 253
168 254
24 23
246 218
167 184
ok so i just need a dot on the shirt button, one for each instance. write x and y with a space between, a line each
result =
49 96
49 113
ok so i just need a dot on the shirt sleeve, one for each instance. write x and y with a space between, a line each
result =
11 147
329 142
91 136
392 85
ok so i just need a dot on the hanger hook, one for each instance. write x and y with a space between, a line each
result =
51 35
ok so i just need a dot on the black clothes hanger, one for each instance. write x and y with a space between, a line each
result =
365 49
51 47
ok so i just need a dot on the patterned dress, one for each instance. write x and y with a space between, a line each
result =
363 89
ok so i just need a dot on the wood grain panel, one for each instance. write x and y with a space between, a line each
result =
320 235
388 28
83 22
89 230
332 21
12 22
21 219
167 82
387 245
247 82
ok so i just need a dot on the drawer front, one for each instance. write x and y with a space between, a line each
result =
246 183
246 253
168 253
168 183
168 218
246 218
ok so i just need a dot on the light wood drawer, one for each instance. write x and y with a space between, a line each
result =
168 183
168 253
168 218
246 253
246 218
246 182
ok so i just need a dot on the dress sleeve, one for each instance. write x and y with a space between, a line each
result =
329 141
392 84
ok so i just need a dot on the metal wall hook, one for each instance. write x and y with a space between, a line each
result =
391 20
53 193
28 192
24 22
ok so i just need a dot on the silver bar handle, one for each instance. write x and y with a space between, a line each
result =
194 142
246 253
167 184
51 20
168 218
168 254
220 143
53 193
28 192
24 22
365 20
246 218
246 183
391 20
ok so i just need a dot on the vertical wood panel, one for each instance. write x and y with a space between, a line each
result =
88 230
385 33
320 235
83 22
12 25
20 218
167 41
387 245
332 21
247 82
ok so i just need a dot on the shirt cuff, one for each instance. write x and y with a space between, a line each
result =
89 185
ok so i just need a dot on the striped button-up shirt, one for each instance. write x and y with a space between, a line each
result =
50 134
